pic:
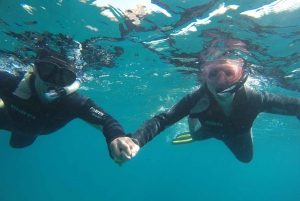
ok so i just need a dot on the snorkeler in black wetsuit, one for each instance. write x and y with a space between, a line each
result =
223 108
45 100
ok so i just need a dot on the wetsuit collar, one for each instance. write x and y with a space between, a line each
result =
24 88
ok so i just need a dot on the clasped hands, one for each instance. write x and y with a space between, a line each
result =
122 149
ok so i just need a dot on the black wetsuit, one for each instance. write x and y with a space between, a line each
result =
29 118
234 130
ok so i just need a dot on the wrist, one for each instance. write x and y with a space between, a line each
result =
116 135
135 141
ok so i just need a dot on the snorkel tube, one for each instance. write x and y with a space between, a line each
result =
54 92
222 94
57 92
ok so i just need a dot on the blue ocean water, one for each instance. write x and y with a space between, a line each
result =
155 68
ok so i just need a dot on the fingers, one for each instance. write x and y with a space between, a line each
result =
123 149
117 161
114 150
134 150
121 159
124 146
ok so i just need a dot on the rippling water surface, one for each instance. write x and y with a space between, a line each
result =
138 58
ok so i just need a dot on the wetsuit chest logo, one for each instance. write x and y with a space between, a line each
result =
20 111
212 123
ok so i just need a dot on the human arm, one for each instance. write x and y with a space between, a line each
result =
159 123
8 82
120 146
275 103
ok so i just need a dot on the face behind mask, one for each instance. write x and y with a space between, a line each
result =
224 77
48 92
225 93
55 78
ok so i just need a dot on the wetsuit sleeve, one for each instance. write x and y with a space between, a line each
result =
94 114
8 82
275 103
158 123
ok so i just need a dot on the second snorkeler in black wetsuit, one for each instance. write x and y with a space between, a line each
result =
223 108
44 100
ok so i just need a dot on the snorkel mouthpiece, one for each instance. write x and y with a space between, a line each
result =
54 92
223 94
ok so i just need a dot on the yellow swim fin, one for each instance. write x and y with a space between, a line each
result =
182 138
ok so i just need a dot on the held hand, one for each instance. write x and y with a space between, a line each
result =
122 149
